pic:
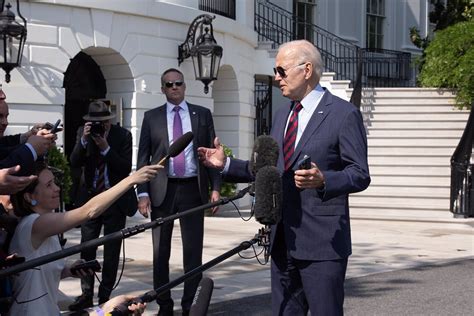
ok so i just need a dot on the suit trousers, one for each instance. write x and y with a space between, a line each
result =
181 195
299 285
113 220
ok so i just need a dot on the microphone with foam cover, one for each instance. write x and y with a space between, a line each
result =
268 196
178 146
202 297
265 153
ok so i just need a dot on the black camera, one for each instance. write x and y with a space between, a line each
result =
97 129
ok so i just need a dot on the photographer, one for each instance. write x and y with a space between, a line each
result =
105 153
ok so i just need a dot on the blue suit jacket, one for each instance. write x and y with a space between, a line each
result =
315 223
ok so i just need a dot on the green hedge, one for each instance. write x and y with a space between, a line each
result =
449 62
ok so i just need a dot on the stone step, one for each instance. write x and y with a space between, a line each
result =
421 117
408 101
413 181
433 133
414 124
421 142
415 93
399 202
410 160
405 191
410 170
400 214
427 107
446 151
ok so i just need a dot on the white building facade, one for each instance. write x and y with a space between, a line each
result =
116 50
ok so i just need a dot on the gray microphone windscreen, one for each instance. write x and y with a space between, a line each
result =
268 196
202 297
265 153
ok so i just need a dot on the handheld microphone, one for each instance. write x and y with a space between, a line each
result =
268 196
202 298
265 153
178 146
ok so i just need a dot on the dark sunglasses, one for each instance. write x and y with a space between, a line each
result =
170 84
282 72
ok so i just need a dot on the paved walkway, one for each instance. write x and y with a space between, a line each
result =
380 244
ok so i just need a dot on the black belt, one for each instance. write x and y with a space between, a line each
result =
182 180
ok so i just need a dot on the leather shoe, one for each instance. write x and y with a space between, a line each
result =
185 312
81 302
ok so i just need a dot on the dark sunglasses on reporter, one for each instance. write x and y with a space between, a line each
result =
170 84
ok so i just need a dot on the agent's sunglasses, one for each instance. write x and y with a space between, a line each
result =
170 84
283 72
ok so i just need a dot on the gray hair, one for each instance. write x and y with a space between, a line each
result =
305 51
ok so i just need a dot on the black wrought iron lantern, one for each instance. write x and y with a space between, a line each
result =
13 37
204 51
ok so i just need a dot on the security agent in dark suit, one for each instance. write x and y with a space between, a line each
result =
311 244
105 153
184 185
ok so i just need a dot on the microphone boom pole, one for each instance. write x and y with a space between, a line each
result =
122 234
153 294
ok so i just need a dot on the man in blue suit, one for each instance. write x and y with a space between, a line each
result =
311 244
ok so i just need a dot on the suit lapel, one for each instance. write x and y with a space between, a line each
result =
319 115
278 132
161 120
194 116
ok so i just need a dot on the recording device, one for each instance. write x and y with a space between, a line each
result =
304 163
97 129
9 262
268 196
265 153
178 146
93 265
202 298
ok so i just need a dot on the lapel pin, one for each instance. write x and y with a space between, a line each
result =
320 112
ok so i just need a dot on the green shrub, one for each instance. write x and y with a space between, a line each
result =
57 160
449 62
228 189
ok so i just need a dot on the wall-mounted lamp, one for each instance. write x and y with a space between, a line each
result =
12 38
204 51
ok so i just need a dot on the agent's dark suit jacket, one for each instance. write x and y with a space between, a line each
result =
119 164
13 153
316 222
154 145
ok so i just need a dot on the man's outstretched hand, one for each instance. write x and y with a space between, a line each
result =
213 157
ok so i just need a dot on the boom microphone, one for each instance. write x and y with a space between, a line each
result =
202 298
265 153
268 196
178 146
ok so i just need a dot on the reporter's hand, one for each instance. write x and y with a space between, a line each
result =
145 173
144 206
42 142
213 157
11 184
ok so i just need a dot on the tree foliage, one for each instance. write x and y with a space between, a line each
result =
449 62
61 170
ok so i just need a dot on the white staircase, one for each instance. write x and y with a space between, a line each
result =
412 133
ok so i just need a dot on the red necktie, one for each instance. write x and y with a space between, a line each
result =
290 135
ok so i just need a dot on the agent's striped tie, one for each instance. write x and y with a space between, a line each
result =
290 135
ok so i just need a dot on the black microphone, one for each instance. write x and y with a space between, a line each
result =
178 146
202 298
264 153
268 196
